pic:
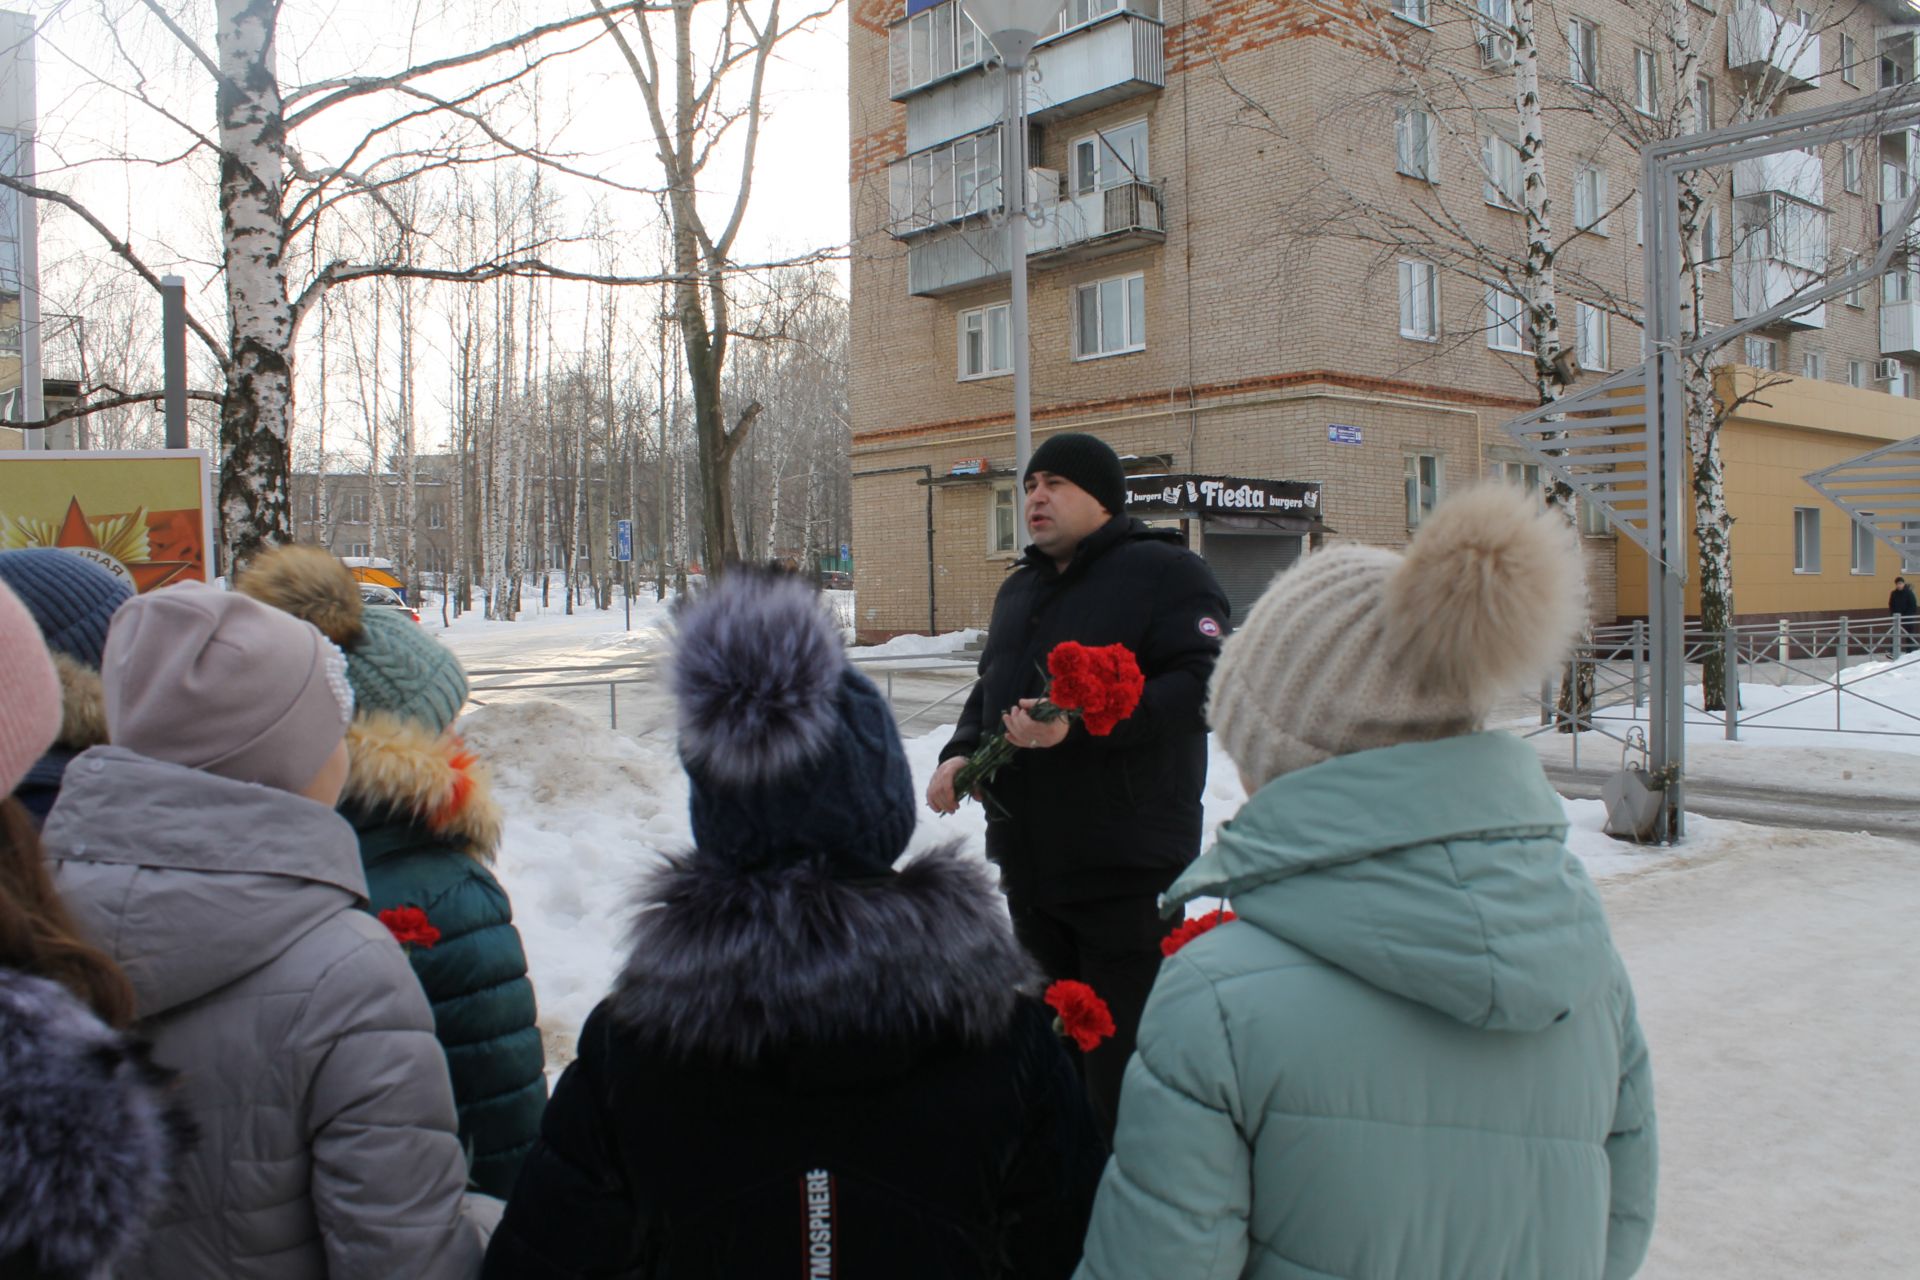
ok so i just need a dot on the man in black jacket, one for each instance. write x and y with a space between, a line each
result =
1906 613
1089 831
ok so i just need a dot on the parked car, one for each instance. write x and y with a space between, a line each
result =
373 595
835 580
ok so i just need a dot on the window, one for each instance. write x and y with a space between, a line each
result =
1413 143
985 351
1591 336
1856 373
1806 539
1849 59
1590 201
1593 520
1863 546
946 182
1414 11
1423 486
1110 317
1854 295
1710 256
1583 53
1496 14
1763 353
1109 158
1504 312
1419 300
1501 160
1850 168
1003 521
1901 383
1080 11
357 511
436 515
313 505
1895 287
1813 365
934 43
1524 474
1646 82
1702 105
358 549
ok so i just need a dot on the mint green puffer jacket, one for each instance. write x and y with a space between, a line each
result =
1413 1057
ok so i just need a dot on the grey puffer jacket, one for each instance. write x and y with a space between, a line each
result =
305 1046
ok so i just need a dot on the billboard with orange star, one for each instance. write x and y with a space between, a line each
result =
145 515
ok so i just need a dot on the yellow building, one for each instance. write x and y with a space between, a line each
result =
1795 555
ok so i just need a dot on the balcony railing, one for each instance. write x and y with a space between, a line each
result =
1791 173
1762 43
1072 229
1900 328
1114 57
1761 282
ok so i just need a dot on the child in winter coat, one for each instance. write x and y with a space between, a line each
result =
88 1133
428 828
201 850
71 599
812 1064
1414 1055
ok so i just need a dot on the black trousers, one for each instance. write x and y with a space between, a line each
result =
1112 945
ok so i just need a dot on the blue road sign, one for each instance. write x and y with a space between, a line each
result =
1340 433
623 539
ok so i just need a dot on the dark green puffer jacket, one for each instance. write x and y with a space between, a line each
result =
427 825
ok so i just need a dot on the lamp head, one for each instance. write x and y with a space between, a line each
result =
1013 26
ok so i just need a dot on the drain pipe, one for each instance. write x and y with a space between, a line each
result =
927 473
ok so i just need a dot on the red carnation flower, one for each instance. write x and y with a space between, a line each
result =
1081 1014
1103 685
409 926
1188 930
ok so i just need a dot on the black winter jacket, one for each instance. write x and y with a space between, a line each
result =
798 1075
1902 603
1101 817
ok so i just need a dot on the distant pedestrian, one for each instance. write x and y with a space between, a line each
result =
89 1131
201 851
1087 831
72 599
1906 615
423 810
1415 1053
812 1064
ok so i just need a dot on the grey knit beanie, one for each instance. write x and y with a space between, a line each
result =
1360 647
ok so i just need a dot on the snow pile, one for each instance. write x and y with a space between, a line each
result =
919 646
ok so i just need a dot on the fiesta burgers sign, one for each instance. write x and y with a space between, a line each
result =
1222 495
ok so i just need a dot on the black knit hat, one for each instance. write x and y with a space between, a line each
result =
1089 462
791 754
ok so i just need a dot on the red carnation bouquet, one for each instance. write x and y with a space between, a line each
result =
1099 687
1079 1013
1188 930
410 927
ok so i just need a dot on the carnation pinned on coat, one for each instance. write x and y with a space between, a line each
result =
1080 1014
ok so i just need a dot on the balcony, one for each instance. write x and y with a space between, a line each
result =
1761 43
1073 228
1788 173
1116 56
1900 329
1760 282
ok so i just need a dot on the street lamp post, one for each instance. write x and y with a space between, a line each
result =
1013 27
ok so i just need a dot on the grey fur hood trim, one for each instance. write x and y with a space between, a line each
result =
737 965
91 1136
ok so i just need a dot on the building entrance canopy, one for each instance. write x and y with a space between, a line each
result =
1167 495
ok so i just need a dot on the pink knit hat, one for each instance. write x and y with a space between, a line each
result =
29 693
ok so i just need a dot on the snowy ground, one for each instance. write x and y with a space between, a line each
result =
1774 968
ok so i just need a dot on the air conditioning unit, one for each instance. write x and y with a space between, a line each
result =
1496 49
1886 370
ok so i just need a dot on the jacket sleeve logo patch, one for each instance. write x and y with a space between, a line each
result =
1210 628
818 1257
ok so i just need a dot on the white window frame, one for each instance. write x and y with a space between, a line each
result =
359 549
1850 168
1506 320
1849 56
926 189
1854 296
1418 290
1097 157
1590 200
1702 104
1862 565
1710 256
357 510
1591 337
1425 481
1415 148
1593 520
1130 286
436 515
928 33
979 321
1646 82
1806 540
1414 11
1003 489
1761 353
1857 373
1813 364
1500 160
1583 53
1525 475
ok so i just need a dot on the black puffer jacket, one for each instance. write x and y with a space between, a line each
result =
1102 817
798 1075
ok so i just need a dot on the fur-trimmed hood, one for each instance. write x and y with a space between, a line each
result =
734 965
402 768
83 707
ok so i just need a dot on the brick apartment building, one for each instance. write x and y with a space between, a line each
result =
1193 302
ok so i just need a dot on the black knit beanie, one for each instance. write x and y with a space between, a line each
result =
1089 462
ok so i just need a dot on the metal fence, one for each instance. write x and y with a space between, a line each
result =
1836 661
